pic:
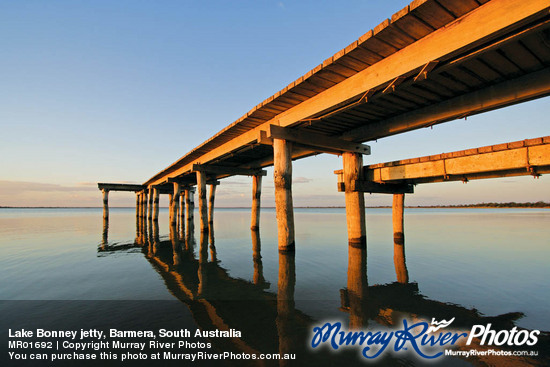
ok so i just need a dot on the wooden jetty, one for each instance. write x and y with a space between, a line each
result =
431 62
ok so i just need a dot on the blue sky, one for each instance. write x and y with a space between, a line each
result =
114 91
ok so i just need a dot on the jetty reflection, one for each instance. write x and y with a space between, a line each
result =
270 322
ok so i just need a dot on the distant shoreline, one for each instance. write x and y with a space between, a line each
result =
537 205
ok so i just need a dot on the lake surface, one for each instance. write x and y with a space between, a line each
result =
62 267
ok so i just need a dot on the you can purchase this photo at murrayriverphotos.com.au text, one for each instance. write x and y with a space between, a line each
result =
275 183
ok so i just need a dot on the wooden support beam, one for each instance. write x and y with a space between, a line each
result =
175 204
377 188
423 74
226 170
105 203
256 200
393 84
263 139
137 217
144 204
211 199
156 204
513 91
183 181
138 204
151 202
297 153
346 106
182 214
203 205
190 203
282 177
398 209
355 201
170 205
318 141
120 187
165 189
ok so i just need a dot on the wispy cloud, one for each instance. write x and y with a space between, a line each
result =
86 183
281 5
22 186
299 180
236 183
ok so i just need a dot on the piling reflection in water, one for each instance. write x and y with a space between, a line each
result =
105 233
285 303
270 322
203 261
356 292
174 239
211 239
399 238
258 277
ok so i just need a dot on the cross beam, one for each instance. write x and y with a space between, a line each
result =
226 170
119 187
320 142
189 181
377 188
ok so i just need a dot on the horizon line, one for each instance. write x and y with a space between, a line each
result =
542 204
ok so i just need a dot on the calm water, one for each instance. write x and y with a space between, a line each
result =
458 261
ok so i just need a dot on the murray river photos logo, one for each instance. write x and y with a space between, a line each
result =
428 341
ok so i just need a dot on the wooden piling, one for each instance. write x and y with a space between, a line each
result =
398 209
190 203
138 212
203 205
156 200
182 215
256 199
138 204
211 206
175 203
282 176
105 203
144 204
355 201
170 206
143 219
150 232
151 202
